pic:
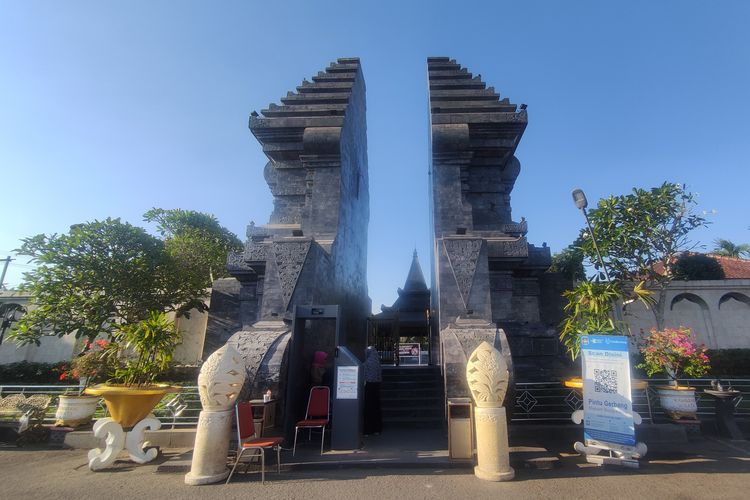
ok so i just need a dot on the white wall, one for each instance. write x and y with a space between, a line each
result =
718 312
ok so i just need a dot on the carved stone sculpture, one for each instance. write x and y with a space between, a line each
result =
487 376
219 383
220 379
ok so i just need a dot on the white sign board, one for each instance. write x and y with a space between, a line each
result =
607 406
346 382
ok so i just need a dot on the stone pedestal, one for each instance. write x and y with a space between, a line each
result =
492 445
211 448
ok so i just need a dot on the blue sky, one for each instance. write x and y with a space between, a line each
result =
111 108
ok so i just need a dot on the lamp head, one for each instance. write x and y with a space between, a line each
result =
579 198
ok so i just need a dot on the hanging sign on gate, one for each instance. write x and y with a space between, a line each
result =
607 406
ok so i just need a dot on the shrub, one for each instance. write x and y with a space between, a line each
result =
697 266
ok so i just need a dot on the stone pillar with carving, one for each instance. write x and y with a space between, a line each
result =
219 383
487 375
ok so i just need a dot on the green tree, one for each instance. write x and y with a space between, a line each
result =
569 263
98 275
640 235
196 241
729 249
697 266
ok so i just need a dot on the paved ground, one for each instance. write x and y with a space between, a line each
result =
707 468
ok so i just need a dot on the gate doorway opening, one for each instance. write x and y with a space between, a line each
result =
401 332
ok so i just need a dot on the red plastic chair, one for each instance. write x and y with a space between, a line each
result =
317 415
248 440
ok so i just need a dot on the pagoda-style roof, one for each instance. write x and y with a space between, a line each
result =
415 279
413 299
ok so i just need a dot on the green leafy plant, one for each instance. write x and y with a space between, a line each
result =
141 351
640 235
569 263
589 310
673 352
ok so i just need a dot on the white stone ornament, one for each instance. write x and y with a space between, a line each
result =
487 376
116 439
219 383
221 378
135 443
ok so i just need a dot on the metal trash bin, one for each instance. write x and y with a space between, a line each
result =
460 428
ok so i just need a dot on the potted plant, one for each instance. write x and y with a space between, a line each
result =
138 354
672 351
74 410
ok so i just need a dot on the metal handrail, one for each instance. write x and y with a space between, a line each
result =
184 417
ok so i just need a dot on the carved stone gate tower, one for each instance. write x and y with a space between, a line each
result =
485 273
314 248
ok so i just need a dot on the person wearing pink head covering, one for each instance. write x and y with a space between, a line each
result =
319 368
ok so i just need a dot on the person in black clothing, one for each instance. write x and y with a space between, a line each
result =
373 377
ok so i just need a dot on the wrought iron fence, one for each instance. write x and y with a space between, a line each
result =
178 413
552 401
534 401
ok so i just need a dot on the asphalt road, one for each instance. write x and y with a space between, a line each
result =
707 470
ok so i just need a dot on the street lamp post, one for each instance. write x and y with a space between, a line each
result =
579 198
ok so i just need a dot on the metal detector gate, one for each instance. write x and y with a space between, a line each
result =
317 328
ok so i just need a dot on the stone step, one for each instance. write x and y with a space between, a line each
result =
463 95
421 423
315 98
474 107
411 369
435 401
342 68
334 77
311 110
443 66
408 384
406 374
387 395
324 87
472 83
463 73
426 412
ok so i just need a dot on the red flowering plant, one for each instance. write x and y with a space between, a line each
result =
673 352
90 365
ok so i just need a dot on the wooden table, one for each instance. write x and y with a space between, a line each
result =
264 414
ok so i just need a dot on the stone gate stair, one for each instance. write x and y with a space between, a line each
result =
412 396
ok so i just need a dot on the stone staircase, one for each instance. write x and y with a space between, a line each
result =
412 397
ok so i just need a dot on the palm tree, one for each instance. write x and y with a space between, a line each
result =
729 249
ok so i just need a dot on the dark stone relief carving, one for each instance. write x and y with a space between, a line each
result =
236 263
463 255
511 248
290 256
255 251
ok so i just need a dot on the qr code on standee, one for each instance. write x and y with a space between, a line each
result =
605 381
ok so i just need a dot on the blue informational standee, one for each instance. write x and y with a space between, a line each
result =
607 406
